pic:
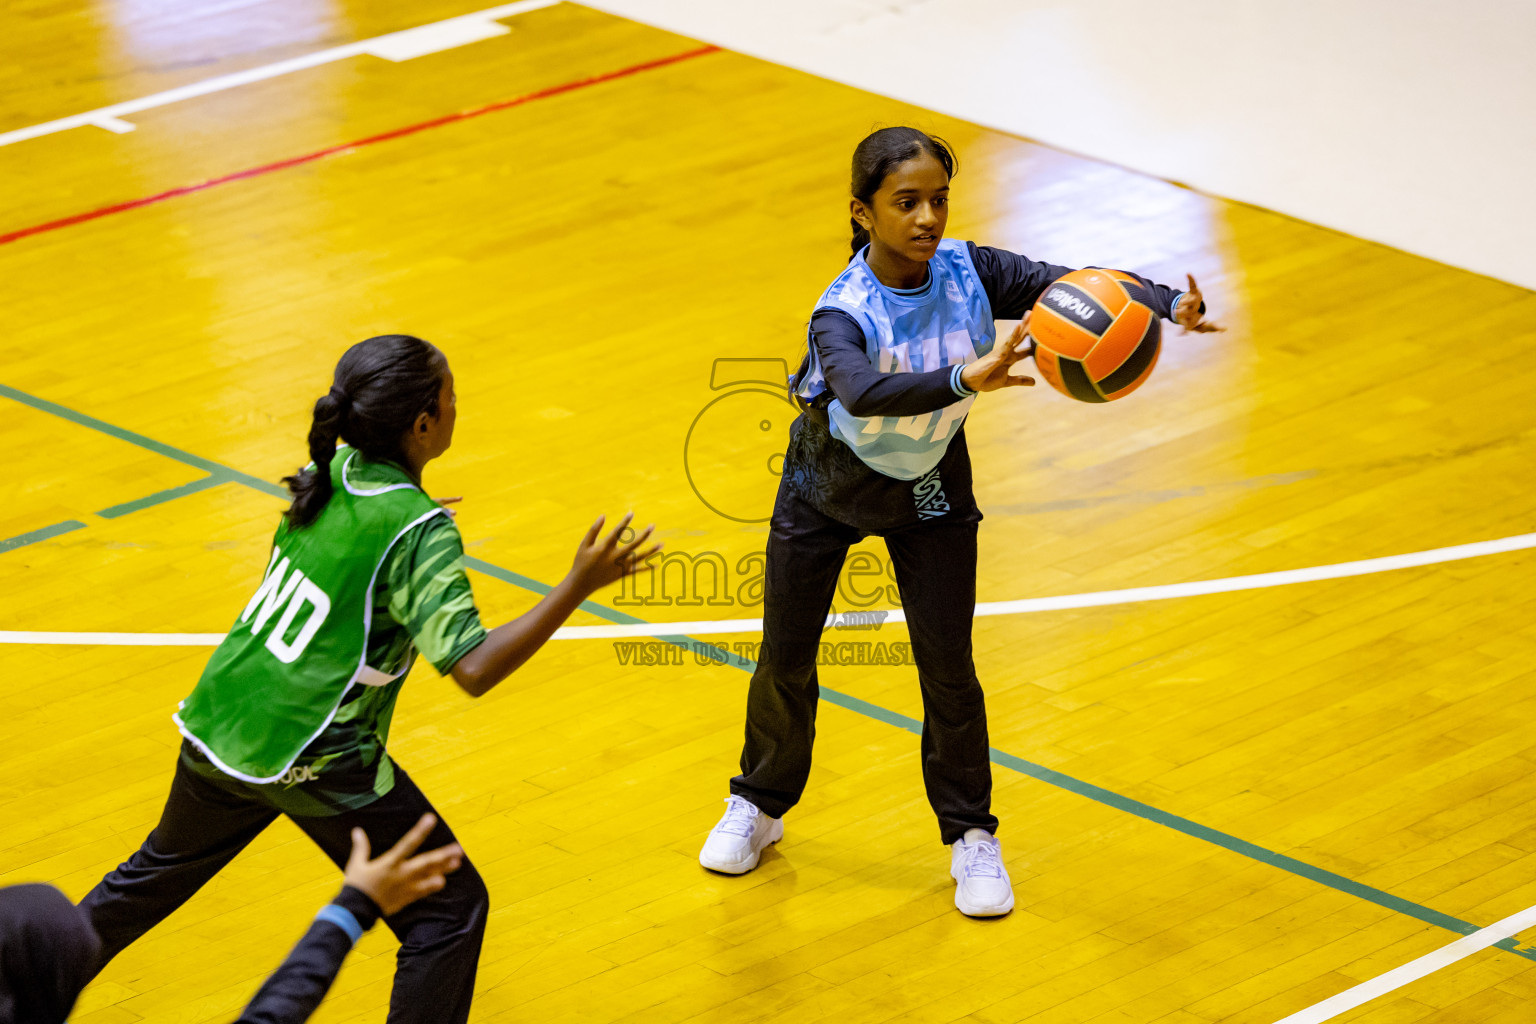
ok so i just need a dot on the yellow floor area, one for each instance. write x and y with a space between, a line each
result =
585 257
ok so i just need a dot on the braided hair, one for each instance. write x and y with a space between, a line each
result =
381 385
880 153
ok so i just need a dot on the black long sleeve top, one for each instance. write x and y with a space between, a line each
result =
826 473
295 989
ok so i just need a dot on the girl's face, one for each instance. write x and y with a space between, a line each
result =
431 435
447 415
908 213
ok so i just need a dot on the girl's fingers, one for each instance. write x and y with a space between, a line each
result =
359 855
639 539
592 532
636 563
613 537
1020 334
409 842
442 860
638 557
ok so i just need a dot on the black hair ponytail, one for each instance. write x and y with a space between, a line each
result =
311 488
381 386
879 153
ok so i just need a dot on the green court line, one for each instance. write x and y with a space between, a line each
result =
1039 772
23 539
1247 849
169 494
149 443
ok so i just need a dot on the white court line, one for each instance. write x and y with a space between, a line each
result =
1414 970
395 46
1103 597
114 639
1339 570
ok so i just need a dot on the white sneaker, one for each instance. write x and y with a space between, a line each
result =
982 888
736 843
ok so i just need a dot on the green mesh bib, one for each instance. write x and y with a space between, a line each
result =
276 680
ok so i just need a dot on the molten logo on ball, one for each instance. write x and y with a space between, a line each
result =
1096 337
1066 300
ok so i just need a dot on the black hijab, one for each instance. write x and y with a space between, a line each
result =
47 954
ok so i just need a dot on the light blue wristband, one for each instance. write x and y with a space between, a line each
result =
954 382
342 918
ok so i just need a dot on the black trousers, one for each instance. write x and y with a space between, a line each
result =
206 822
935 564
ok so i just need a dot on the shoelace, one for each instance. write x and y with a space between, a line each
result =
982 860
740 818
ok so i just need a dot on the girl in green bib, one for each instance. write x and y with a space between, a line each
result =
292 712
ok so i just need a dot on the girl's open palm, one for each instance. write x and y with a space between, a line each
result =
602 562
990 372
1187 313
395 879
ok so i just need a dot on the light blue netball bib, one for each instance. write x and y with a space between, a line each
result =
947 323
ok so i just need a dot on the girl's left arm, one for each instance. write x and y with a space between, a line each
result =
601 560
1013 283
430 595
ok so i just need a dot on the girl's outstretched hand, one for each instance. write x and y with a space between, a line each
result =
602 562
1186 312
395 879
990 372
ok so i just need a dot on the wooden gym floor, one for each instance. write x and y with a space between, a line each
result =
1223 807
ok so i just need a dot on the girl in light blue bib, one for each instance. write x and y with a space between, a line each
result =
901 343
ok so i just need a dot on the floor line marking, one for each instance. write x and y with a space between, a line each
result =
628 626
46 533
394 46
1100 598
112 639
112 124
255 483
169 494
1253 851
707 652
141 441
348 147
1414 969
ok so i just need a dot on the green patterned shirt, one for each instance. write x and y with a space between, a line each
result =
421 602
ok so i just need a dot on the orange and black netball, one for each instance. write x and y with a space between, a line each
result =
1096 337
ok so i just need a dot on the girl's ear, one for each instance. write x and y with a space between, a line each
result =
860 213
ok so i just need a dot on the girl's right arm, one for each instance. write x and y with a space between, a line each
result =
864 390
598 564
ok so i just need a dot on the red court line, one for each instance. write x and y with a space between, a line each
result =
347 147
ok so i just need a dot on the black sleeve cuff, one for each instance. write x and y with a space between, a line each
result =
359 905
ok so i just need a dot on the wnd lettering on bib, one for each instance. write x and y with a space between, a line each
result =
1079 307
294 593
